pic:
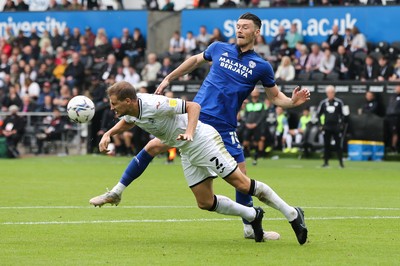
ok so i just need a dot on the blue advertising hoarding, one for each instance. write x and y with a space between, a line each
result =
112 21
377 23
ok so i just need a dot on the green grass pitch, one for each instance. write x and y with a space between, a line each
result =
353 215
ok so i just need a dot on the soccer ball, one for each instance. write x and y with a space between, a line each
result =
80 109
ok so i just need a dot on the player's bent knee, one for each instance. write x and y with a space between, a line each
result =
155 147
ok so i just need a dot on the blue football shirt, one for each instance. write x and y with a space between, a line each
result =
232 77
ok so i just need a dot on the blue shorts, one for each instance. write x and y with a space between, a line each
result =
228 134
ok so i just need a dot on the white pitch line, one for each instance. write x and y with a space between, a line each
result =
183 207
192 220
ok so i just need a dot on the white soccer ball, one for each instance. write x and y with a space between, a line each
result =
80 109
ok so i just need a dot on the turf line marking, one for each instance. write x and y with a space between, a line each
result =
193 220
180 207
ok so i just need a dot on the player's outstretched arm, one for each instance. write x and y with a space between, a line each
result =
299 96
193 111
120 127
186 67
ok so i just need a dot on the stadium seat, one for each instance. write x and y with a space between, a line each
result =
396 46
303 76
383 47
376 55
310 142
317 76
332 76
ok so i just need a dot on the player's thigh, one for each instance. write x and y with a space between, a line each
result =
154 147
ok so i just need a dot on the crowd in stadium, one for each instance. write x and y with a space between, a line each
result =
41 73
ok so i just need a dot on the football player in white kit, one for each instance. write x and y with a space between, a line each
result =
204 155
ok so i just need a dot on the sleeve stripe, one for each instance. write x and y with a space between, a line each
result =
183 107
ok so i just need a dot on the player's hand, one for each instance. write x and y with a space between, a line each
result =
103 144
300 95
186 137
160 89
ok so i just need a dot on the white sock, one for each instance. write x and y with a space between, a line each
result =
265 194
119 188
229 207
289 140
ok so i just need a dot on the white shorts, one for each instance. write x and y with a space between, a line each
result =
206 157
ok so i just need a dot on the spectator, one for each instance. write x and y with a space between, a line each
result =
343 63
118 49
300 62
47 105
46 91
5 47
150 70
396 71
4 65
56 39
103 49
21 40
276 43
43 75
347 39
176 44
165 69
282 130
190 45
386 70
53 131
58 71
299 132
65 5
14 73
216 36
371 105
75 40
152 5
131 76
392 120
28 105
137 49
169 6
67 39
203 39
90 37
126 39
262 48
334 39
61 101
327 64
92 5
359 42
45 45
370 70
87 60
75 72
99 40
314 59
27 53
21 6
12 98
53 6
9 5
75 5
285 71
293 36
228 4
285 50
277 3
30 88
13 129
109 70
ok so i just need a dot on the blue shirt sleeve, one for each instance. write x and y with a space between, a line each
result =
209 51
268 78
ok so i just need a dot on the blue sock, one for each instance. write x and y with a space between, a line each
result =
245 200
136 167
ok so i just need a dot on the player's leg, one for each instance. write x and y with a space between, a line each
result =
327 145
268 196
207 200
135 168
338 146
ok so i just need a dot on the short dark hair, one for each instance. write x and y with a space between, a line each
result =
122 90
254 18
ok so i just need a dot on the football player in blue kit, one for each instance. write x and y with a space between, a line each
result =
235 71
